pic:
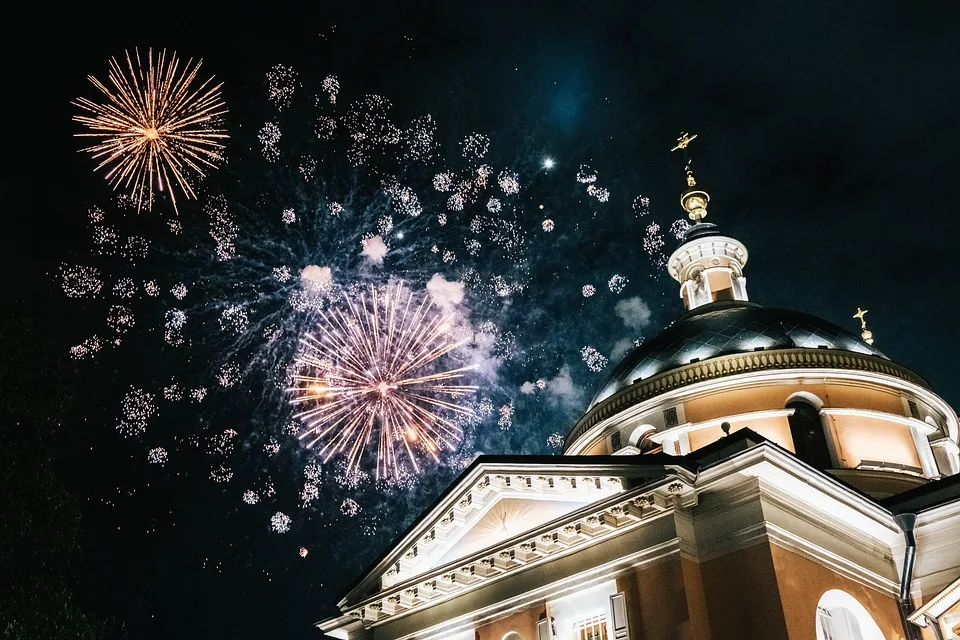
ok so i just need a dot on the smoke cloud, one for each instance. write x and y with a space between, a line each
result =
634 312
374 249
445 293
315 278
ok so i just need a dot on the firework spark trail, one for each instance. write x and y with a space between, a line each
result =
374 368
154 128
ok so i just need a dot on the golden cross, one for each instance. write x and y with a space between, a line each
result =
859 316
684 140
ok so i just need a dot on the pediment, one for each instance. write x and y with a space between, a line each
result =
493 509
491 504
505 518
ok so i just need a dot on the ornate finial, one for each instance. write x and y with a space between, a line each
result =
865 333
684 140
694 201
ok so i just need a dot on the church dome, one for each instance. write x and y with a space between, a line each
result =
816 390
724 328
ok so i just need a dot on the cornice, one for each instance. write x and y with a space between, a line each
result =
938 604
605 519
737 364
793 483
703 247
589 480
836 562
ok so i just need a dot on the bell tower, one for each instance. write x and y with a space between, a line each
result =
708 266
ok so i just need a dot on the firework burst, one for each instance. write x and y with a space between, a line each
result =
373 372
155 127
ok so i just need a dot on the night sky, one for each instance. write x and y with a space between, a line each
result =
827 140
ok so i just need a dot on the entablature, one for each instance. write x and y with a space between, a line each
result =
598 521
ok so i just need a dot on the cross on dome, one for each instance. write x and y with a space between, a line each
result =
865 333
694 201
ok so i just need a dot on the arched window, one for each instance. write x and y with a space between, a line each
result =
512 635
806 429
841 617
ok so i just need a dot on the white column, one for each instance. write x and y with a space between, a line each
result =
947 456
927 462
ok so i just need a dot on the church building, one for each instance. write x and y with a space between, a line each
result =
749 472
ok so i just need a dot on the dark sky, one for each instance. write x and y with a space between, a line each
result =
828 137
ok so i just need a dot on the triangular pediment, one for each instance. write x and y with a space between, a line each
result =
494 508
493 503
505 518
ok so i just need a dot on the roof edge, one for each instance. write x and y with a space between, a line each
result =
605 463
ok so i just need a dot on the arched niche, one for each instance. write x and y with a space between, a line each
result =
807 397
840 616
806 429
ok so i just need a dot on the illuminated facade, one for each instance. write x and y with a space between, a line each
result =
747 473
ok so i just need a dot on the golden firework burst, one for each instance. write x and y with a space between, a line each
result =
157 126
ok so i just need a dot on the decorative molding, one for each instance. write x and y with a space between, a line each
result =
809 494
474 503
919 425
937 605
736 364
468 484
837 563
659 436
731 517
609 518
697 249
798 359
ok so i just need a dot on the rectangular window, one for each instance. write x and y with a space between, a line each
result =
914 409
825 622
594 628
543 629
670 418
615 442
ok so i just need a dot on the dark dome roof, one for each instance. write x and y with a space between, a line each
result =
723 328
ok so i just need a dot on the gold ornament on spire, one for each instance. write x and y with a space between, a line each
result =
694 201
865 333
684 140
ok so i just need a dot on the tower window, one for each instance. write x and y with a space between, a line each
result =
914 409
806 429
